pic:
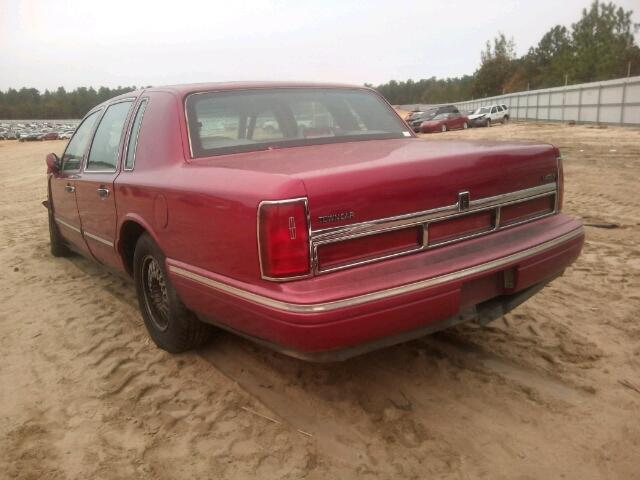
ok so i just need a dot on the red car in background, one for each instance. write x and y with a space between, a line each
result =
50 136
307 217
445 121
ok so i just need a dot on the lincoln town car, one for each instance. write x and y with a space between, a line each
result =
306 217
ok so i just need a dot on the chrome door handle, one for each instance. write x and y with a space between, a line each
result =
103 192
69 188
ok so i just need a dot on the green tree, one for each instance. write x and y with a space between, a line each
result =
29 103
603 43
599 46
497 65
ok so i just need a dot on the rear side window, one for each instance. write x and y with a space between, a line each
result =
77 147
133 138
103 156
494 110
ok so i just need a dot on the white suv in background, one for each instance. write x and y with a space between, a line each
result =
490 114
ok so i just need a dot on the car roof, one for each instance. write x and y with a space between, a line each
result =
244 85
185 89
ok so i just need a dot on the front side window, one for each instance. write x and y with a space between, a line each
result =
74 153
494 110
133 137
250 120
103 155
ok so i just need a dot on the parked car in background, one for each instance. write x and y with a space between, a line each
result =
486 116
444 122
29 137
413 115
49 136
322 241
430 114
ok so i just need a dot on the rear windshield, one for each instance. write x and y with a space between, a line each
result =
248 120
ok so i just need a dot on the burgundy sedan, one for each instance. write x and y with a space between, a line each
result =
307 217
50 136
444 122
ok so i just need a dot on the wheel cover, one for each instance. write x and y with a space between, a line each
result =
444 128
154 289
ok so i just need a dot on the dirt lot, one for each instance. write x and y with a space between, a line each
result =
550 391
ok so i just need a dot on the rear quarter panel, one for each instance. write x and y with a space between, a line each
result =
200 215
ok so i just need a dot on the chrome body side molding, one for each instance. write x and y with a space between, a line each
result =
98 239
373 296
84 233
68 225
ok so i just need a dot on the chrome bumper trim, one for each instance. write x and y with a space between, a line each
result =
373 296
68 225
424 219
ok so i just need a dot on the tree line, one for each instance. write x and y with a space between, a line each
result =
30 103
599 46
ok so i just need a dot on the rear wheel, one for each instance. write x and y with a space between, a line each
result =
444 128
505 119
488 122
171 326
465 125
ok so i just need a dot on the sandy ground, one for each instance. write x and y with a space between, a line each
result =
550 391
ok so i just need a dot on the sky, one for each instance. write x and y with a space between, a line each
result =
47 44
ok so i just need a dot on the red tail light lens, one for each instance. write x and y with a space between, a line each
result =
283 234
560 183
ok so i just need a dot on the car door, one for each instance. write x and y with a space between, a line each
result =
63 184
94 188
494 114
456 119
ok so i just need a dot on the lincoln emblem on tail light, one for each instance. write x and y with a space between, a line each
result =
463 201
292 228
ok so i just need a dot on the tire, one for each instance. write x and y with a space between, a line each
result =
56 242
444 128
465 125
505 119
171 326
488 123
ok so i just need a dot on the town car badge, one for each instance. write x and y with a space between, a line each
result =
336 217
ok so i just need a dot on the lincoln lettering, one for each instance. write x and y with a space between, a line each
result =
336 217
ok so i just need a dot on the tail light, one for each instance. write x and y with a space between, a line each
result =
560 183
283 236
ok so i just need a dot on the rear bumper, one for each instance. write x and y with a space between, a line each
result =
388 301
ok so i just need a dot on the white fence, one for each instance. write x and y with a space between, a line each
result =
611 101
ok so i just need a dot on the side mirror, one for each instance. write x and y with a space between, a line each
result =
53 164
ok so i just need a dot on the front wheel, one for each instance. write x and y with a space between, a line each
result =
505 119
489 122
444 128
465 125
171 326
